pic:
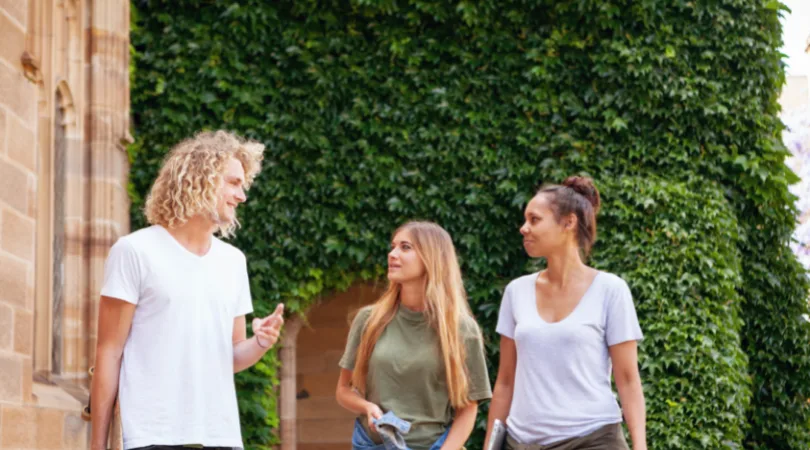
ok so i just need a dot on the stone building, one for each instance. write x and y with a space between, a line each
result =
64 109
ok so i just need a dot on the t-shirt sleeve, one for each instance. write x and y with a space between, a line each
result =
353 341
506 319
122 273
244 303
479 387
622 323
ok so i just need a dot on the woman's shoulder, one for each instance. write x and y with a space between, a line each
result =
611 279
362 315
522 282
469 326
613 284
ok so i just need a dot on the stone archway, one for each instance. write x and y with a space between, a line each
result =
310 417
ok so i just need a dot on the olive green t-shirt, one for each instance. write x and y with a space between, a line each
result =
406 373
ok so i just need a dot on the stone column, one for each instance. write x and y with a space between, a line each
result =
287 400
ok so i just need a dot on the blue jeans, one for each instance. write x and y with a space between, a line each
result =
362 441
182 447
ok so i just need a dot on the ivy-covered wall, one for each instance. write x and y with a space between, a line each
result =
375 112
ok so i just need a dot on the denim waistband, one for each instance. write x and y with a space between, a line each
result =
362 441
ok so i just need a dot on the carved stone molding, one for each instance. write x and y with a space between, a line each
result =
31 67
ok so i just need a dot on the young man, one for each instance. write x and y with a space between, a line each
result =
171 329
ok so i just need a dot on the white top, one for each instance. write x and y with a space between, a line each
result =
176 385
562 379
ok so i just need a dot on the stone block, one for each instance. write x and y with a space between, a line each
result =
11 373
13 38
13 280
18 428
318 340
24 332
17 93
27 379
3 131
6 327
322 408
75 432
50 424
17 234
320 385
22 147
17 9
323 431
13 185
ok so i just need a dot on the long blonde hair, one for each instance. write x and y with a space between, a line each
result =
191 174
446 308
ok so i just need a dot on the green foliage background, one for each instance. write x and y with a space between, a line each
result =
375 112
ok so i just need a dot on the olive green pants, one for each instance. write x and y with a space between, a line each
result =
609 437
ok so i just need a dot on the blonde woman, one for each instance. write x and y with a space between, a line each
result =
171 327
417 352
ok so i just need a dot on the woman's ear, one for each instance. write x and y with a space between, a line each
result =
571 222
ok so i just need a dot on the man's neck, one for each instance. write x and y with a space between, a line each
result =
195 235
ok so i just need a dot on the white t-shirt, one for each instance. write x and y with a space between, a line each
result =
562 379
176 385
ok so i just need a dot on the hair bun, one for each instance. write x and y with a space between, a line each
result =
585 187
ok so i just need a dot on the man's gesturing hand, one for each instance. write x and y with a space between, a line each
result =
268 329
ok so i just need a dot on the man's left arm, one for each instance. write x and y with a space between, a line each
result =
247 352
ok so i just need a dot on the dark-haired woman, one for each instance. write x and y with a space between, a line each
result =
561 331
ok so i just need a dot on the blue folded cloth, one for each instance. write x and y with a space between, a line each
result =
391 428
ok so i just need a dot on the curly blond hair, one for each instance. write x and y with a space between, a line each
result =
191 174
